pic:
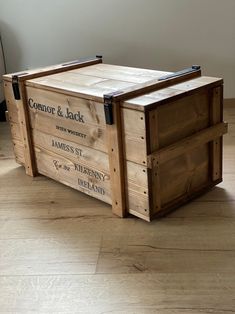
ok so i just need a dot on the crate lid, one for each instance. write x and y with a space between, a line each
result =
93 81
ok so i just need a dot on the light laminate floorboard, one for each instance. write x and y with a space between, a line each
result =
64 252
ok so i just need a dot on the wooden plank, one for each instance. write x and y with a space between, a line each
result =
134 136
18 148
29 158
84 83
18 118
86 156
95 163
183 199
58 68
216 116
138 203
23 116
88 135
12 105
134 149
118 75
153 85
15 131
137 190
153 138
64 170
172 93
136 178
112 83
73 87
187 144
121 73
65 107
90 130
75 119
77 166
116 162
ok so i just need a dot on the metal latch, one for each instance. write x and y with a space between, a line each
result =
15 87
108 109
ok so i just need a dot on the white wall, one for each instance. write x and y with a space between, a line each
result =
2 71
159 34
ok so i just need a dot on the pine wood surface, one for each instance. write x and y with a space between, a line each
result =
66 119
64 252
94 81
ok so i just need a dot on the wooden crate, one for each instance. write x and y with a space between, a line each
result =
143 141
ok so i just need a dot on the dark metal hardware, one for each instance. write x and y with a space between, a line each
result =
15 87
108 109
194 68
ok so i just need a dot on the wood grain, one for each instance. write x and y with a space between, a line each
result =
64 252
58 68
116 162
71 133
216 116
94 81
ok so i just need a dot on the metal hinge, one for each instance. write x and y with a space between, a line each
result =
15 87
15 84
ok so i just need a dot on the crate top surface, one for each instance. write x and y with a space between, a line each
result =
93 81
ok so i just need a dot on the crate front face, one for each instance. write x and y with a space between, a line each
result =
69 141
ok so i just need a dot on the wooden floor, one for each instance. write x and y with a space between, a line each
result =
64 252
